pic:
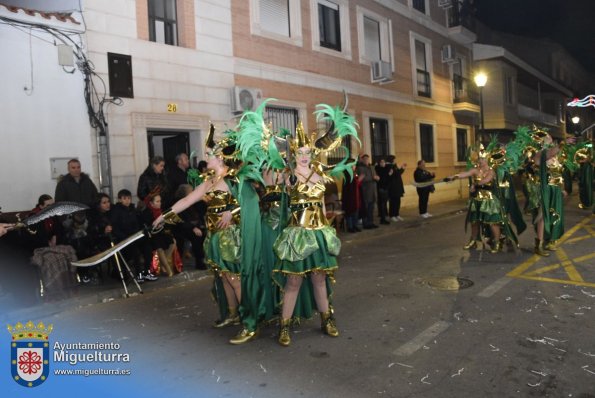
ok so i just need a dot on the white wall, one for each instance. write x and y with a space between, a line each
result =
47 119
197 80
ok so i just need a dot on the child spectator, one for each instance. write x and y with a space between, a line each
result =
125 223
162 242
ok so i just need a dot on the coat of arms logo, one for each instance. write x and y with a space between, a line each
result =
29 353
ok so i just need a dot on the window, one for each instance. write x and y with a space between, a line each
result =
424 87
163 22
328 25
462 144
332 19
509 90
277 19
379 136
274 14
419 5
426 142
374 33
282 118
372 39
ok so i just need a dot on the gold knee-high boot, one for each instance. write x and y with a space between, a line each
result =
327 323
284 336
539 249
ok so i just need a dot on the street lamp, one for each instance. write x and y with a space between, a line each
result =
480 80
575 121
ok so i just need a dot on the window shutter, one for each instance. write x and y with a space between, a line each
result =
274 16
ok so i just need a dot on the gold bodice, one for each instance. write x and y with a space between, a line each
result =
554 170
219 202
272 193
483 191
306 204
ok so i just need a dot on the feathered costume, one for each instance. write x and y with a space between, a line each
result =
304 241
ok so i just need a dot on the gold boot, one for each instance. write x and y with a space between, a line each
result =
539 250
472 244
233 318
551 246
327 323
497 247
244 336
284 336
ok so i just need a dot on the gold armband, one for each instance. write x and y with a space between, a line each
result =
235 211
170 217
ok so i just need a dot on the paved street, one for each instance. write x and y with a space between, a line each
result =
511 325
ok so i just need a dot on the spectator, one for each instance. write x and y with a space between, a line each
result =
153 181
99 229
368 191
382 186
125 223
396 189
178 175
46 231
421 175
161 242
76 186
351 199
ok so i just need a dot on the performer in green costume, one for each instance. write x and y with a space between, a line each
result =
233 253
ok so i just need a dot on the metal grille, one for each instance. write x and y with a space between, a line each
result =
379 135
282 118
426 142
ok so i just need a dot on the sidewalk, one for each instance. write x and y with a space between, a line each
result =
111 289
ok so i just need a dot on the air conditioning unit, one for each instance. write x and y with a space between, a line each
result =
445 3
448 54
381 72
245 99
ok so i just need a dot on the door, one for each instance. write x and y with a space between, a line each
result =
168 144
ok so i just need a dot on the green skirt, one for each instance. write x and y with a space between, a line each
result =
222 250
311 251
485 211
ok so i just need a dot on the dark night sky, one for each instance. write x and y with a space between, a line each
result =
571 23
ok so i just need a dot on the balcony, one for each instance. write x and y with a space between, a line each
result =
460 23
465 96
536 116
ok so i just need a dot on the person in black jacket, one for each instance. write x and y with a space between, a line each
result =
382 190
76 186
422 175
396 189
125 222
178 175
153 181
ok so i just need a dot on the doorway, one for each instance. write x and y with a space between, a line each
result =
168 144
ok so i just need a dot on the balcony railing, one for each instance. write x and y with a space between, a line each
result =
460 15
423 84
464 90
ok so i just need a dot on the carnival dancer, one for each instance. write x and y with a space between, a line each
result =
546 193
308 247
584 157
484 204
232 255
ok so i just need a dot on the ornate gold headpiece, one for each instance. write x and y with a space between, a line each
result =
224 148
301 138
